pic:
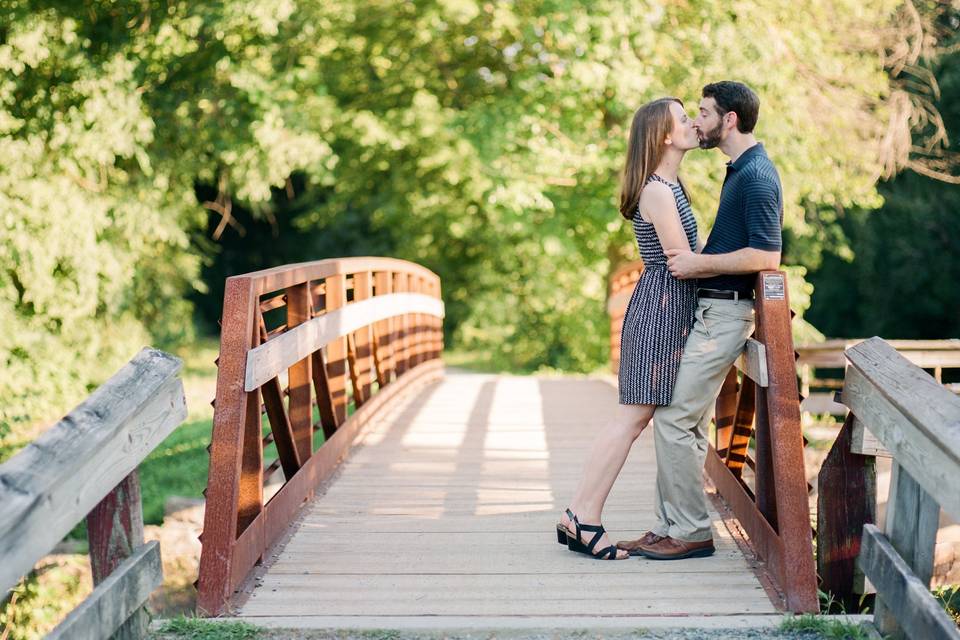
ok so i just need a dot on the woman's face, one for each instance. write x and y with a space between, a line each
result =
684 135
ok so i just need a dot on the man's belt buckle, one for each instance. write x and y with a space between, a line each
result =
725 293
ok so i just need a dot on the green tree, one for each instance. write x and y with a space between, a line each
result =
486 139
482 139
902 282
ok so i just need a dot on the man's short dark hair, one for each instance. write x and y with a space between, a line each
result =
736 97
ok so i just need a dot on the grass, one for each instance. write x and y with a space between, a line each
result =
178 467
826 628
476 361
378 634
200 629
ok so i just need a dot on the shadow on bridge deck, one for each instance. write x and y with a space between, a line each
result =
445 513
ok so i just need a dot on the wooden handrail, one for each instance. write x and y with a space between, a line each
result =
357 330
918 422
270 358
85 465
277 278
759 398
818 390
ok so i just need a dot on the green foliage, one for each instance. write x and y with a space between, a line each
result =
178 467
43 597
92 240
903 281
200 629
483 140
949 598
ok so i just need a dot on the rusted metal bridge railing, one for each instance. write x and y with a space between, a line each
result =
319 348
767 491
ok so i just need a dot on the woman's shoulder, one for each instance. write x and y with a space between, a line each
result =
656 192
656 200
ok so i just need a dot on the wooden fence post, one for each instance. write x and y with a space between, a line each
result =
846 500
114 532
911 527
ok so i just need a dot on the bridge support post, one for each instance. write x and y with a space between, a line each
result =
114 532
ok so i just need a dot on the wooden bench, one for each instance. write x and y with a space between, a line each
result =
86 466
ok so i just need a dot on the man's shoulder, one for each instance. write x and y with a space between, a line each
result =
761 170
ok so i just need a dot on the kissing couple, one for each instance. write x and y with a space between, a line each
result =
688 318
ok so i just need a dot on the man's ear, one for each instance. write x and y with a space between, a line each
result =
732 119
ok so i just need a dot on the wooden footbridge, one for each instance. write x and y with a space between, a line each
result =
355 483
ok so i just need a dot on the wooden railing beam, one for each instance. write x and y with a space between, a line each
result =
59 478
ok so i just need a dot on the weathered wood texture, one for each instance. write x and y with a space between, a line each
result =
116 599
912 415
928 354
846 500
918 421
863 441
753 362
114 532
911 529
907 597
339 319
59 478
448 507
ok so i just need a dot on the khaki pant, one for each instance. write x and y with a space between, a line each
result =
680 429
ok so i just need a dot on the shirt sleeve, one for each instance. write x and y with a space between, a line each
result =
763 204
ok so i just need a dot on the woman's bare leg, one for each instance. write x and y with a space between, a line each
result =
603 465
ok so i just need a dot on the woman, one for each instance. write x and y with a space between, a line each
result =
658 317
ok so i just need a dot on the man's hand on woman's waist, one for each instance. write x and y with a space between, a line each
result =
685 265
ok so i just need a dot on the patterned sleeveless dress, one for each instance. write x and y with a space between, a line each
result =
659 315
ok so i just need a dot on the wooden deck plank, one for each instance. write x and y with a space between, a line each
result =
440 583
447 507
543 606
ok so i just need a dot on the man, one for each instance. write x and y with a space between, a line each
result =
746 239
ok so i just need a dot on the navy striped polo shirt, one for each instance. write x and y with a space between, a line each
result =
750 215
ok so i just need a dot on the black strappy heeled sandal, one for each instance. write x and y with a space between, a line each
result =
574 543
563 534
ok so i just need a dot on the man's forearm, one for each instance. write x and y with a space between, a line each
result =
741 261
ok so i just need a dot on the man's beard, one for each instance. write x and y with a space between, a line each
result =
711 139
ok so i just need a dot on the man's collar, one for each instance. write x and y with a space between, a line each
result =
745 156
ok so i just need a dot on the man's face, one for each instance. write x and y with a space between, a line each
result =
709 124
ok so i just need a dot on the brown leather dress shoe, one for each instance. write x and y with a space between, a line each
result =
635 547
672 549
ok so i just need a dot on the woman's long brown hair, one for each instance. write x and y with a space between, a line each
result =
652 123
